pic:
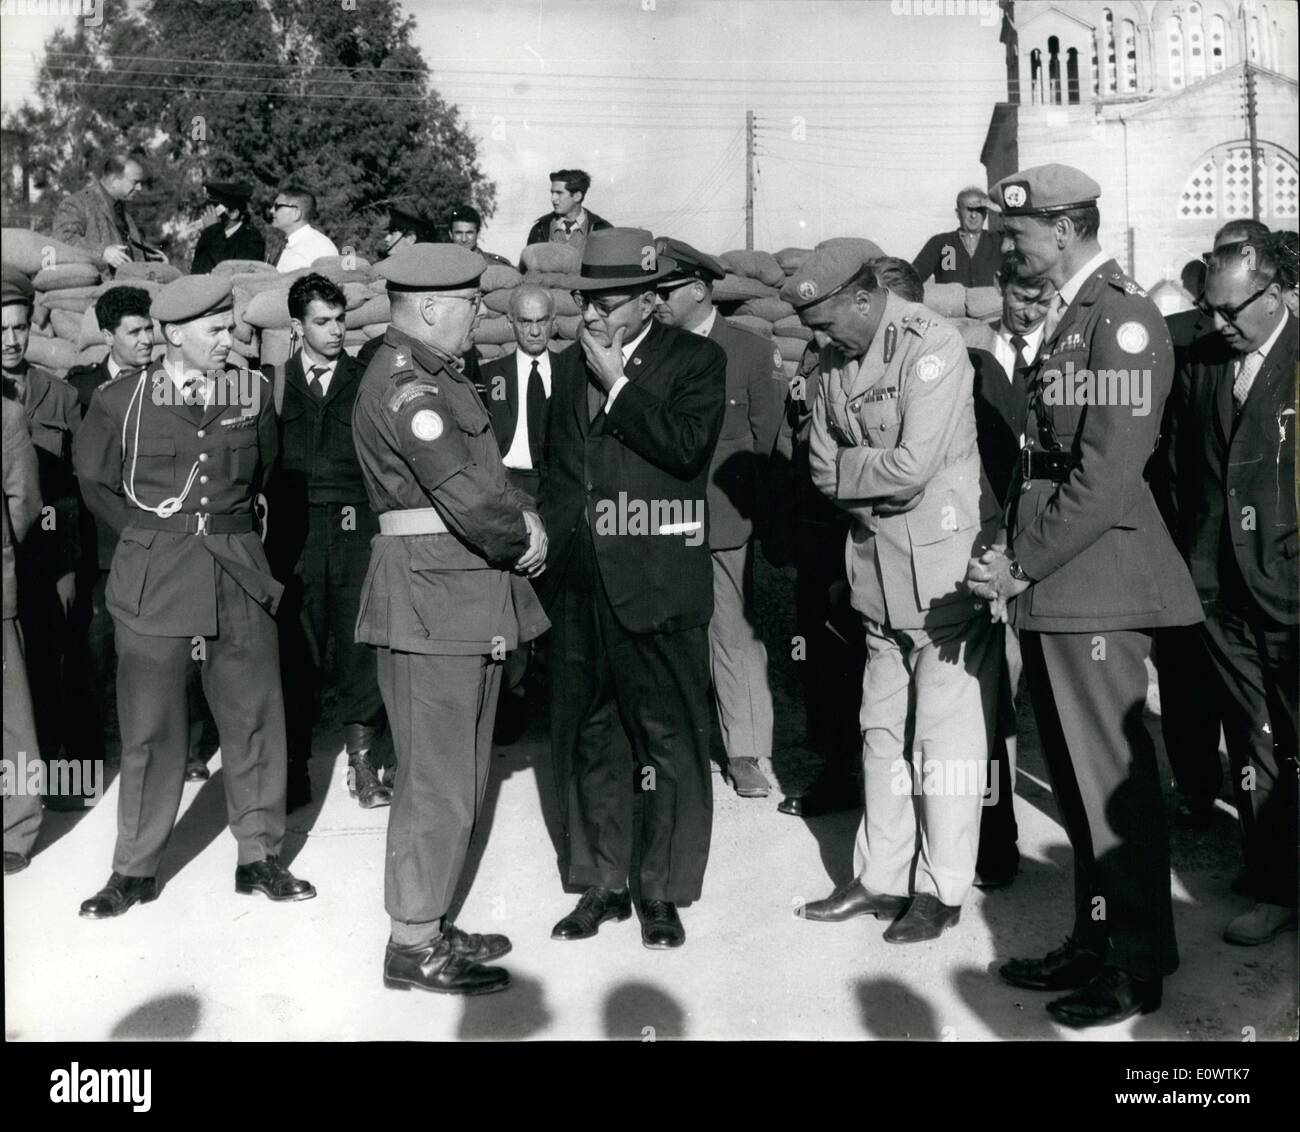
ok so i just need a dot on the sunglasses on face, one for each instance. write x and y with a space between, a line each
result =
663 292
583 299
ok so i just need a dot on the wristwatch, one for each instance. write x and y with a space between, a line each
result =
1016 570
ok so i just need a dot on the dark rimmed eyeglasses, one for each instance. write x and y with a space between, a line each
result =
667 289
1228 314
583 298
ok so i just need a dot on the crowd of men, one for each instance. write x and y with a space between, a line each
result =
1058 492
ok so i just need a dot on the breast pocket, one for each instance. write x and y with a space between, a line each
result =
1065 390
242 454
153 465
880 422
735 421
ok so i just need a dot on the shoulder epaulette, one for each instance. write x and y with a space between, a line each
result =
1122 282
918 323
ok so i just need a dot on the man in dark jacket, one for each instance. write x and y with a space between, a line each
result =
969 255
229 233
569 221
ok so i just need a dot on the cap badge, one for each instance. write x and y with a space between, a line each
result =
807 289
1015 196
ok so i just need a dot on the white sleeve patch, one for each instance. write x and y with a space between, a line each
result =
1132 337
426 425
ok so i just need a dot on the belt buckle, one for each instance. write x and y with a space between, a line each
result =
1026 463
205 522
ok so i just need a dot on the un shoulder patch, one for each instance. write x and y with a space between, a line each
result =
426 425
1132 337
929 367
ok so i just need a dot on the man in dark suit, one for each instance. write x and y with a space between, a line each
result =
969 255
48 559
1094 572
173 460
737 498
229 233
1235 424
123 316
630 592
318 542
1001 361
18 511
569 221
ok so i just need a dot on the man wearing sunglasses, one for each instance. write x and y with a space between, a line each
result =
756 387
631 592
291 214
1235 407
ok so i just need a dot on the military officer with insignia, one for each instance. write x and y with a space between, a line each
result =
49 557
446 597
172 459
736 498
893 443
1089 571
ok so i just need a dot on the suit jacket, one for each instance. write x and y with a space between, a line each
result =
632 472
163 583
971 271
22 494
214 246
540 232
1001 406
1235 488
98 541
893 443
85 220
1095 545
738 475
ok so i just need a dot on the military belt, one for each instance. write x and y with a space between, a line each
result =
197 523
416 521
1037 465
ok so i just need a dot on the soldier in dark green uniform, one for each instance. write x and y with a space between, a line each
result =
1093 571
172 459
440 602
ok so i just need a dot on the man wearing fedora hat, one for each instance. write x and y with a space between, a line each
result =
630 591
229 233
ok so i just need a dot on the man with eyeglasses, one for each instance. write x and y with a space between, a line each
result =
291 215
630 592
1235 424
1093 572
447 596
969 255
756 387
97 220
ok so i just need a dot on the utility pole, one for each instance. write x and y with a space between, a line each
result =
749 180
1254 140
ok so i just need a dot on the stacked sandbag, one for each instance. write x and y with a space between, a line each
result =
548 266
65 281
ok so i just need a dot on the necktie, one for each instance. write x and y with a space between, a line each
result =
568 226
193 393
119 218
314 382
535 414
1022 362
1247 369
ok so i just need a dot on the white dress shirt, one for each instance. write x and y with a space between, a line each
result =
706 327
520 456
1005 352
303 248
311 362
629 348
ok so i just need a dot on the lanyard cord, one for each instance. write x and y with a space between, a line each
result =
167 507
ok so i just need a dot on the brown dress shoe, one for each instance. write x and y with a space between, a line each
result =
850 900
747 779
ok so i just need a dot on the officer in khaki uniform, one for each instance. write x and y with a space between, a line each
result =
893 443
1093 571
440 603
172 459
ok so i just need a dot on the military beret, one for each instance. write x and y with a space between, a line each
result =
691 263
431 267
192 296
407 220
1044 189
15 287
828 271
238 192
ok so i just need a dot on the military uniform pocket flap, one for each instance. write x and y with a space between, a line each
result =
933 522
141 536
155 446
440 553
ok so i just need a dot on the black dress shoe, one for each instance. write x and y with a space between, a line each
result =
437 966
15 863
994 874
595 906
850 900
118 895
1111 996
364 784
479 948
272 878
822 799
1067 968
661 927
926 918
196 770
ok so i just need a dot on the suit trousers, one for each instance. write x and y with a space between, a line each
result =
322 596
737 658
88 664
1257 662
1189 716
240 672
657 684
998 829
1089 691
22 810
929 703
441 710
